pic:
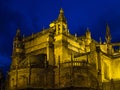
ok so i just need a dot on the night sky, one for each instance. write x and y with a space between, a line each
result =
33 15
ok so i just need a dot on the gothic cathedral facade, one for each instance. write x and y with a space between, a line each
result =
55 59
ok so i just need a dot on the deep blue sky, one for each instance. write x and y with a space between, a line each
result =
32 15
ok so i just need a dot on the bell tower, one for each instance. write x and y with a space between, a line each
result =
60 25
60 39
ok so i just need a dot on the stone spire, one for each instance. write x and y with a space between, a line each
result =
108 35
18 44
88 33
18 35
61 16
18 32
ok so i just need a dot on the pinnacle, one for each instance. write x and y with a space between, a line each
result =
61 10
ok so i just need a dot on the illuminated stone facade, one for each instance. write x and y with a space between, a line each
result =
56 59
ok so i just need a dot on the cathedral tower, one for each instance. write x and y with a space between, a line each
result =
61 30
60 24
18 49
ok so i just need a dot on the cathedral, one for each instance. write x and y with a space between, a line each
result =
55 59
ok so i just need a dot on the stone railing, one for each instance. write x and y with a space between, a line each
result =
79 64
